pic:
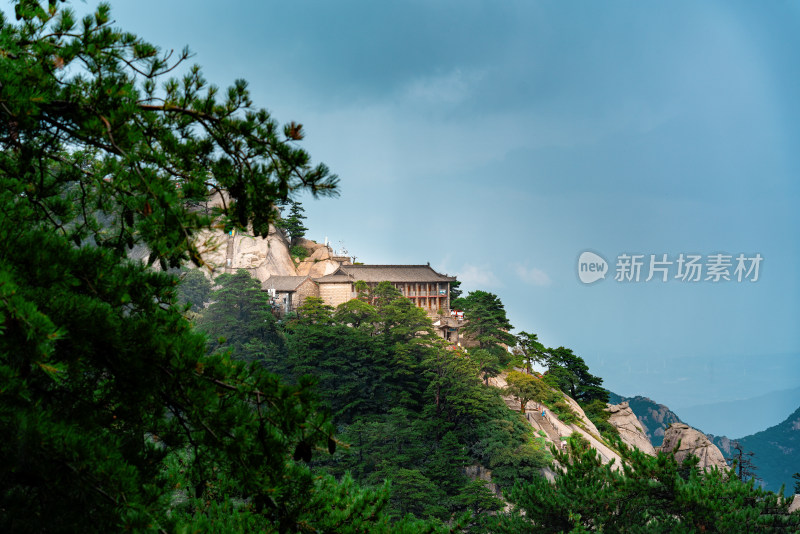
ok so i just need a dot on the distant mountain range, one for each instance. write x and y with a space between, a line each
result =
742 417
777 449
777 452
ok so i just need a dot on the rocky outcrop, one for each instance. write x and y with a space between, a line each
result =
690 441
308 244
262 256
554 431
629 428
322 253
478 472
315 269
655 418
320 261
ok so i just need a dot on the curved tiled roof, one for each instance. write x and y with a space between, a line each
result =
283 283
334 278
393 273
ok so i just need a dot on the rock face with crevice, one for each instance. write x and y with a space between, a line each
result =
261 256
554 431
228 252
629 428
316 269
690 441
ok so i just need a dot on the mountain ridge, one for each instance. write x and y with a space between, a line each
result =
777 452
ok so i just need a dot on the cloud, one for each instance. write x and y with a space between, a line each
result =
449 88
477 277
532 276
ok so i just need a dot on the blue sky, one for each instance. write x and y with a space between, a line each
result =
499 140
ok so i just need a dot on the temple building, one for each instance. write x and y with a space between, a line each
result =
287 293
426 288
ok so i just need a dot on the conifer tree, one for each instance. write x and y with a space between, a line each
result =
488 326
568 372
530 350
293 223
111 410
194 289
240 318
648 494
742 462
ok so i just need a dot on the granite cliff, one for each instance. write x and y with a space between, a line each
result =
685 440
655 418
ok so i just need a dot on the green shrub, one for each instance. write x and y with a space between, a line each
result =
597 414
564 412
298 252
554 400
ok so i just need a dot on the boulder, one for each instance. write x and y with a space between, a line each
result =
308 244
320 254
304 267
629 428
692 442
321 268
316 268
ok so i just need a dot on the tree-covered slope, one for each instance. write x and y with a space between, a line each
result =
777 452
408 409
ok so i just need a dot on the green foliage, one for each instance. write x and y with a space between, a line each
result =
298 252
741 462
356 313
529 350
525 387
555 402
564 412
346 362
114 416
239 318
194 289
487 323
313 311
455 293
479 499
103 378
337 506
569 373
649 494
598 415
293 223
408 410
362 288
488 327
